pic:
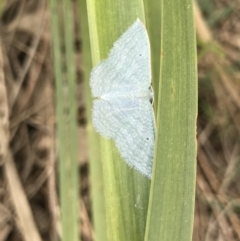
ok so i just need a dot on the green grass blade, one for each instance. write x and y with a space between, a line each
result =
66 119
126 191
153 21
69 169
96 175
171 204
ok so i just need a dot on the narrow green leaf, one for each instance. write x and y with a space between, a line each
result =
96 174
172 194
66 113
153 21
69 169
126 191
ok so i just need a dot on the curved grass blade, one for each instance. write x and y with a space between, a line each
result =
125 190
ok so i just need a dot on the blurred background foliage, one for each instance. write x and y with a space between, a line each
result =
30 180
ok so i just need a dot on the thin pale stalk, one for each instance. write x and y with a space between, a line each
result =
66 120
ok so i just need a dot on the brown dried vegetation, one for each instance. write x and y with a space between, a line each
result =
217 212
28 193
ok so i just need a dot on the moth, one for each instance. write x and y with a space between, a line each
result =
122 92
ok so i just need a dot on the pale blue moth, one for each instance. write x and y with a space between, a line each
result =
122 109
